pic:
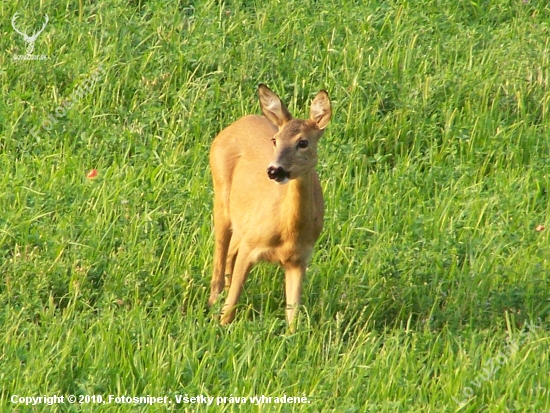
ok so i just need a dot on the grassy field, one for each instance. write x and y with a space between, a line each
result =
429 290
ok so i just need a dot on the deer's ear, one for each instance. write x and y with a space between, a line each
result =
272 107
320 110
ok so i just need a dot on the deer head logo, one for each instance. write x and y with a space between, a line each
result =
29 39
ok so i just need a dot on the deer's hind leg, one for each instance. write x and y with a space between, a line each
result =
222 239
231 258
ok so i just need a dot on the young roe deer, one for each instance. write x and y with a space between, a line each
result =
254 218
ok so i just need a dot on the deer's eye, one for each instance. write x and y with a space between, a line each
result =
303 144
274 141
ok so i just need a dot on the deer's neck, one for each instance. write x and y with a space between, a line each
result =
298 208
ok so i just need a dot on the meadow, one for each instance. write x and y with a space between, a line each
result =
429 289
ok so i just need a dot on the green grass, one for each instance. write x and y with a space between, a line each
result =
435 170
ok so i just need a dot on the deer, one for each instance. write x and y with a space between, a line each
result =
29 39
268 201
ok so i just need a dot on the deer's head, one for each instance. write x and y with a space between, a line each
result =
295 144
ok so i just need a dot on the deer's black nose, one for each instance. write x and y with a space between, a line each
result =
277 173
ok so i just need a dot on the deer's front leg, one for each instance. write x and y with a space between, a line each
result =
294 275
243 264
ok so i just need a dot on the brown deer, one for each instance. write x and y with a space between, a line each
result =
254 218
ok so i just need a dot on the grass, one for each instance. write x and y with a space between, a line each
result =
435 171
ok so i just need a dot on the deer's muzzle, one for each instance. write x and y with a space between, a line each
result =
278 174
